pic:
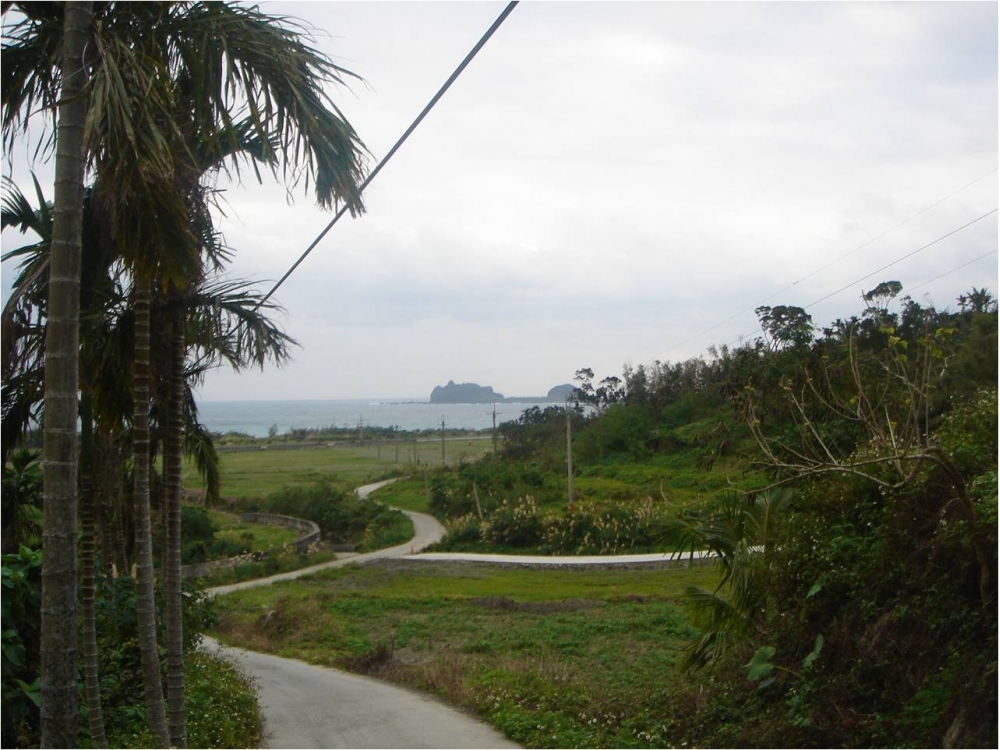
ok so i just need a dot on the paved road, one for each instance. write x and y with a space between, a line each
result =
311 707
426 529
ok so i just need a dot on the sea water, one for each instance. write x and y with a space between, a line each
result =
260 418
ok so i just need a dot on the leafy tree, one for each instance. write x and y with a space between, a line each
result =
785 326
611 390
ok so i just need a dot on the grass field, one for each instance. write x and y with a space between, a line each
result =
261 537
256 473
552 657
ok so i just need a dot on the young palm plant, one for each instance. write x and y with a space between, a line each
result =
740 537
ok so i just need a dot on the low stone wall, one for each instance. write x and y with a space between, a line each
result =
310 535
308 528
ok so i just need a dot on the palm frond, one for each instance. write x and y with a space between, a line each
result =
30 78
234 53
226 326
199 446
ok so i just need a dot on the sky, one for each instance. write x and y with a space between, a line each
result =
614 183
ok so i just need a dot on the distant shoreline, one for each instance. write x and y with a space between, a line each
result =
384 401
261 418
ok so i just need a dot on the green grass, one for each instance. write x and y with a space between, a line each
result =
408 494
261 537
257 473
552 657
221 708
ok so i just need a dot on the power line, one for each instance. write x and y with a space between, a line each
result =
833 262
956 268
413 126
898 260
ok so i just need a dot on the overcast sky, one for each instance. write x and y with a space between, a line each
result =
613 182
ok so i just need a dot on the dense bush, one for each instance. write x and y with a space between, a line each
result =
865 619
21 647
220 701
610 528
455 492
342 518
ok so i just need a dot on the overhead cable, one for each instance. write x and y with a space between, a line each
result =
833 262
901 259
413 126
889 265
956 268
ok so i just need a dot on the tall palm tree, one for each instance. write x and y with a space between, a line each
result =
58 607
23 370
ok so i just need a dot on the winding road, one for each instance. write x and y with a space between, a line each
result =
306 706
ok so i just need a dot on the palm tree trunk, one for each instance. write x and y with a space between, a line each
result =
110 509
146 595
172 450
58 604
92 689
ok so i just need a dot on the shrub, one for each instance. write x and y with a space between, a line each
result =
21 647
341 516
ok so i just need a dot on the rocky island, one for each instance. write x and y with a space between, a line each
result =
473 393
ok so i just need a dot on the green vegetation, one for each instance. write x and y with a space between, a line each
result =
258 472
221 699
553 658
342 517
847 483
407 493
214 535
259 537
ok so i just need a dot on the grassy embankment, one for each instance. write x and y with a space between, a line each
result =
552 658
259 537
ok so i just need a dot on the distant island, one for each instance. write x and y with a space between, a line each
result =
473 393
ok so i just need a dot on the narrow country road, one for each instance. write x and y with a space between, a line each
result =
306 706
426 529
312 707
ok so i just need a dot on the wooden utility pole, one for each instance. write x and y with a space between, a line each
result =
395 434
442 441
494 429
569 456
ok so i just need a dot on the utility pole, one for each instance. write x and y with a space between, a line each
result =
442 441
569 456
395 434
494 429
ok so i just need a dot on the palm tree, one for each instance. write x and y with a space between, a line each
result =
58 608
24 366
225 324
203 60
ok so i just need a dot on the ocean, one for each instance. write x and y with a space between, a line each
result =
256 418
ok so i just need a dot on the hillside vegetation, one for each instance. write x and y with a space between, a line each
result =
846 477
